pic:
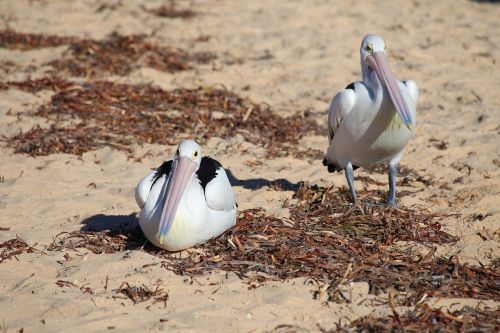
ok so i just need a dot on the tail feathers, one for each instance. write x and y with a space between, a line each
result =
331 167
335 168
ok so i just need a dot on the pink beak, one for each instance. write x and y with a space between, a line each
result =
378 61
183 169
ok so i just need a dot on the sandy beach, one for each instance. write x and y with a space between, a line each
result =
80 82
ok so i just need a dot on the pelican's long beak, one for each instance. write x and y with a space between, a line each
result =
378 61
182 170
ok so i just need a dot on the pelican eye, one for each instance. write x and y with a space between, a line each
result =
177 152
195 155
369 48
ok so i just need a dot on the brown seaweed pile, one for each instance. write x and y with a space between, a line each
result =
117 115
425 319
35 85
333 243
119 55
22 41
116 54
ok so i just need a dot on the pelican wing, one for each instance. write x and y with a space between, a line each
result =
218 192
340 107
412 88
144 187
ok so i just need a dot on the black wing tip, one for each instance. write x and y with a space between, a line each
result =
208 170
163 169
350 86
335 168
331 167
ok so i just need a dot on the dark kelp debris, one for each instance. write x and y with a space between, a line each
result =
172 10
330 208
123 114
76 140
84 289
332 245
338 244
119 55
13 247
262 247
36 85
97 242
116 54
13 40
426 319
143 293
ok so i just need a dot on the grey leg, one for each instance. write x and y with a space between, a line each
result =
393 169
350 180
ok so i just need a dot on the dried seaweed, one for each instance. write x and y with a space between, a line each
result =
326 208
97 242
13 247
70 140
21 41
332 245
142 293
172 11
117 115
119 55
425 319
84 289
262 247
36 85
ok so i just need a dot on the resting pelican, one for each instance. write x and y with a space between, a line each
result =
186 201
371 121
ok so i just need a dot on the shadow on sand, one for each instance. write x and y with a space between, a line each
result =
257 183
113 223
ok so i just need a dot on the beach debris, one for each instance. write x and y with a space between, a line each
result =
84 289
172 10
288 328
142 293
13 40
331 242
118 115
13 247
96 242
116 54
426 319
35 85
119 55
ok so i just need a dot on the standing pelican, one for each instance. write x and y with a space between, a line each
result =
186 201
371 121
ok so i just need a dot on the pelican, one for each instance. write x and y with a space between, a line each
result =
371 121
186 201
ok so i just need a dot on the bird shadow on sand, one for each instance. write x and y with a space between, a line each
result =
257 183
112 223
125 227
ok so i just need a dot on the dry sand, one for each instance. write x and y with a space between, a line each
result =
295 55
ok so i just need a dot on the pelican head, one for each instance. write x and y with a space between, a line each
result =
185 163
374 60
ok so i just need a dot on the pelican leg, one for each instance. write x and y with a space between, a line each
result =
350 180
391 200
